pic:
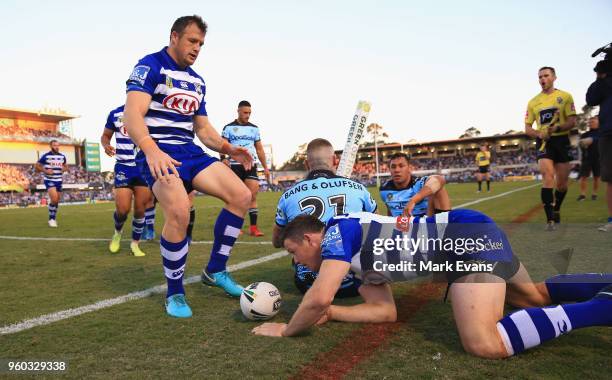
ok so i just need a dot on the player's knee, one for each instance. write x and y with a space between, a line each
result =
242 198
485 348
178 217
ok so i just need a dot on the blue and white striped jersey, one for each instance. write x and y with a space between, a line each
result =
177 95
353 238
55 162
244 135
125 151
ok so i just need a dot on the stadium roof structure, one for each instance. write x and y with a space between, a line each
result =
48 115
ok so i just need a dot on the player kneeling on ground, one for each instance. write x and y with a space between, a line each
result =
489 278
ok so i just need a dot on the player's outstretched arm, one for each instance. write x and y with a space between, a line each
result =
315 303
433 184
378 307
209 136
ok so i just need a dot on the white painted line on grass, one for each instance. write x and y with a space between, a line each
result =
497 196
65 314
3 237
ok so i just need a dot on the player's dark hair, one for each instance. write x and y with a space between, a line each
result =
244 103
548 68
52 141
397 155
183 22
302 224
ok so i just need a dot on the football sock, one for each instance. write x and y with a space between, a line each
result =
227 229
150 216
528 328
488 185
119 220
137 228
547 198
576 287
174 257
559 197
253 216
53 210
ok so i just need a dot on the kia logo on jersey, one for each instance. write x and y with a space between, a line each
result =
182 103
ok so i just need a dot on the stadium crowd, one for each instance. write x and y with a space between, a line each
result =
21 132
27 178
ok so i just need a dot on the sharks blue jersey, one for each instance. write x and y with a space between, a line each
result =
397 198
125 149
177 96
324 195
244 135
357 239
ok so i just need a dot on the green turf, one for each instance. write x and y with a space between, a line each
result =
137 340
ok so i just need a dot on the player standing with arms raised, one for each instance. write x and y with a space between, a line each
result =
128 182
165 109
554 112
53 165
243 133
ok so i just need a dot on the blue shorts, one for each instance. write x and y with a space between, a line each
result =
128 176
193 160
56 184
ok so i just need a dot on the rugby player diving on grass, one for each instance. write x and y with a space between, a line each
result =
482 277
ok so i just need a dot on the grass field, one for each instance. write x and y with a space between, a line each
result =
136 339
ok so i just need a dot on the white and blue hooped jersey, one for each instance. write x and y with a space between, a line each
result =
125 150
396 199
351 238
177 95
324 195
244 135
55 162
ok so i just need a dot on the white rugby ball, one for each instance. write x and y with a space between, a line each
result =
260 301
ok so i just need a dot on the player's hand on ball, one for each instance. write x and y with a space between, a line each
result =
270 329
242 155
109 150
162 166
